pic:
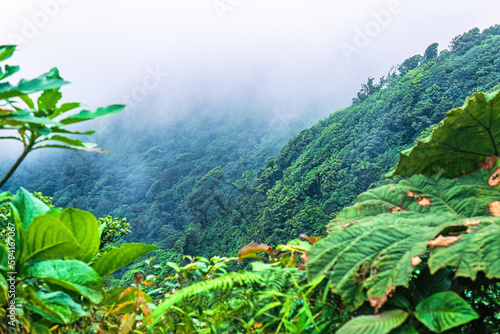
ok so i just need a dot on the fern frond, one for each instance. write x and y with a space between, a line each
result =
225 282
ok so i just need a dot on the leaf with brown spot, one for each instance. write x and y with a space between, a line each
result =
494 179
494 208
472 222
424 201
378 302
254 248
347 224
441 241
489 163
394 209
410 194
415 261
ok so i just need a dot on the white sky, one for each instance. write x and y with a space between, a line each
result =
274 52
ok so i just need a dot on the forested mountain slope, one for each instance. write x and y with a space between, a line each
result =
324 168
192 187
153 165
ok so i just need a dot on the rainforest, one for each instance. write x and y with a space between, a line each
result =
379 217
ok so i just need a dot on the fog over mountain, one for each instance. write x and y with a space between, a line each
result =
164 58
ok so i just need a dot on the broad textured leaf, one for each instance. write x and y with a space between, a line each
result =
55 306
85 228
467 136
478 250
71 275
86 115
26 207
404 329
443 311
369 250
374 324
120 257
48 238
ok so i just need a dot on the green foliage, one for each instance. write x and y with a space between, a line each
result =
458 153
443 311
429 222
120 257
44 126
375 324
49 250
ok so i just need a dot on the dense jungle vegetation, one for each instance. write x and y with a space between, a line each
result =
328 242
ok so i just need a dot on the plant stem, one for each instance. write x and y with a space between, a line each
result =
27 149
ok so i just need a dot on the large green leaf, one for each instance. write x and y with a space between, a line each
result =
371 245
467 136
86 115
476 251
374 324
71 275
443 311
85 229
120 257
56 306
48 238
26 207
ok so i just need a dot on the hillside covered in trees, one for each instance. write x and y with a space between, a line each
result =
381 218
197 186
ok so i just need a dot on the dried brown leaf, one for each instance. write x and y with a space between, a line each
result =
312 240
254 248
415 261
347 224
441 241
424 201
394 209
489 163
494 208
410 194
494 179
472 222
378 302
